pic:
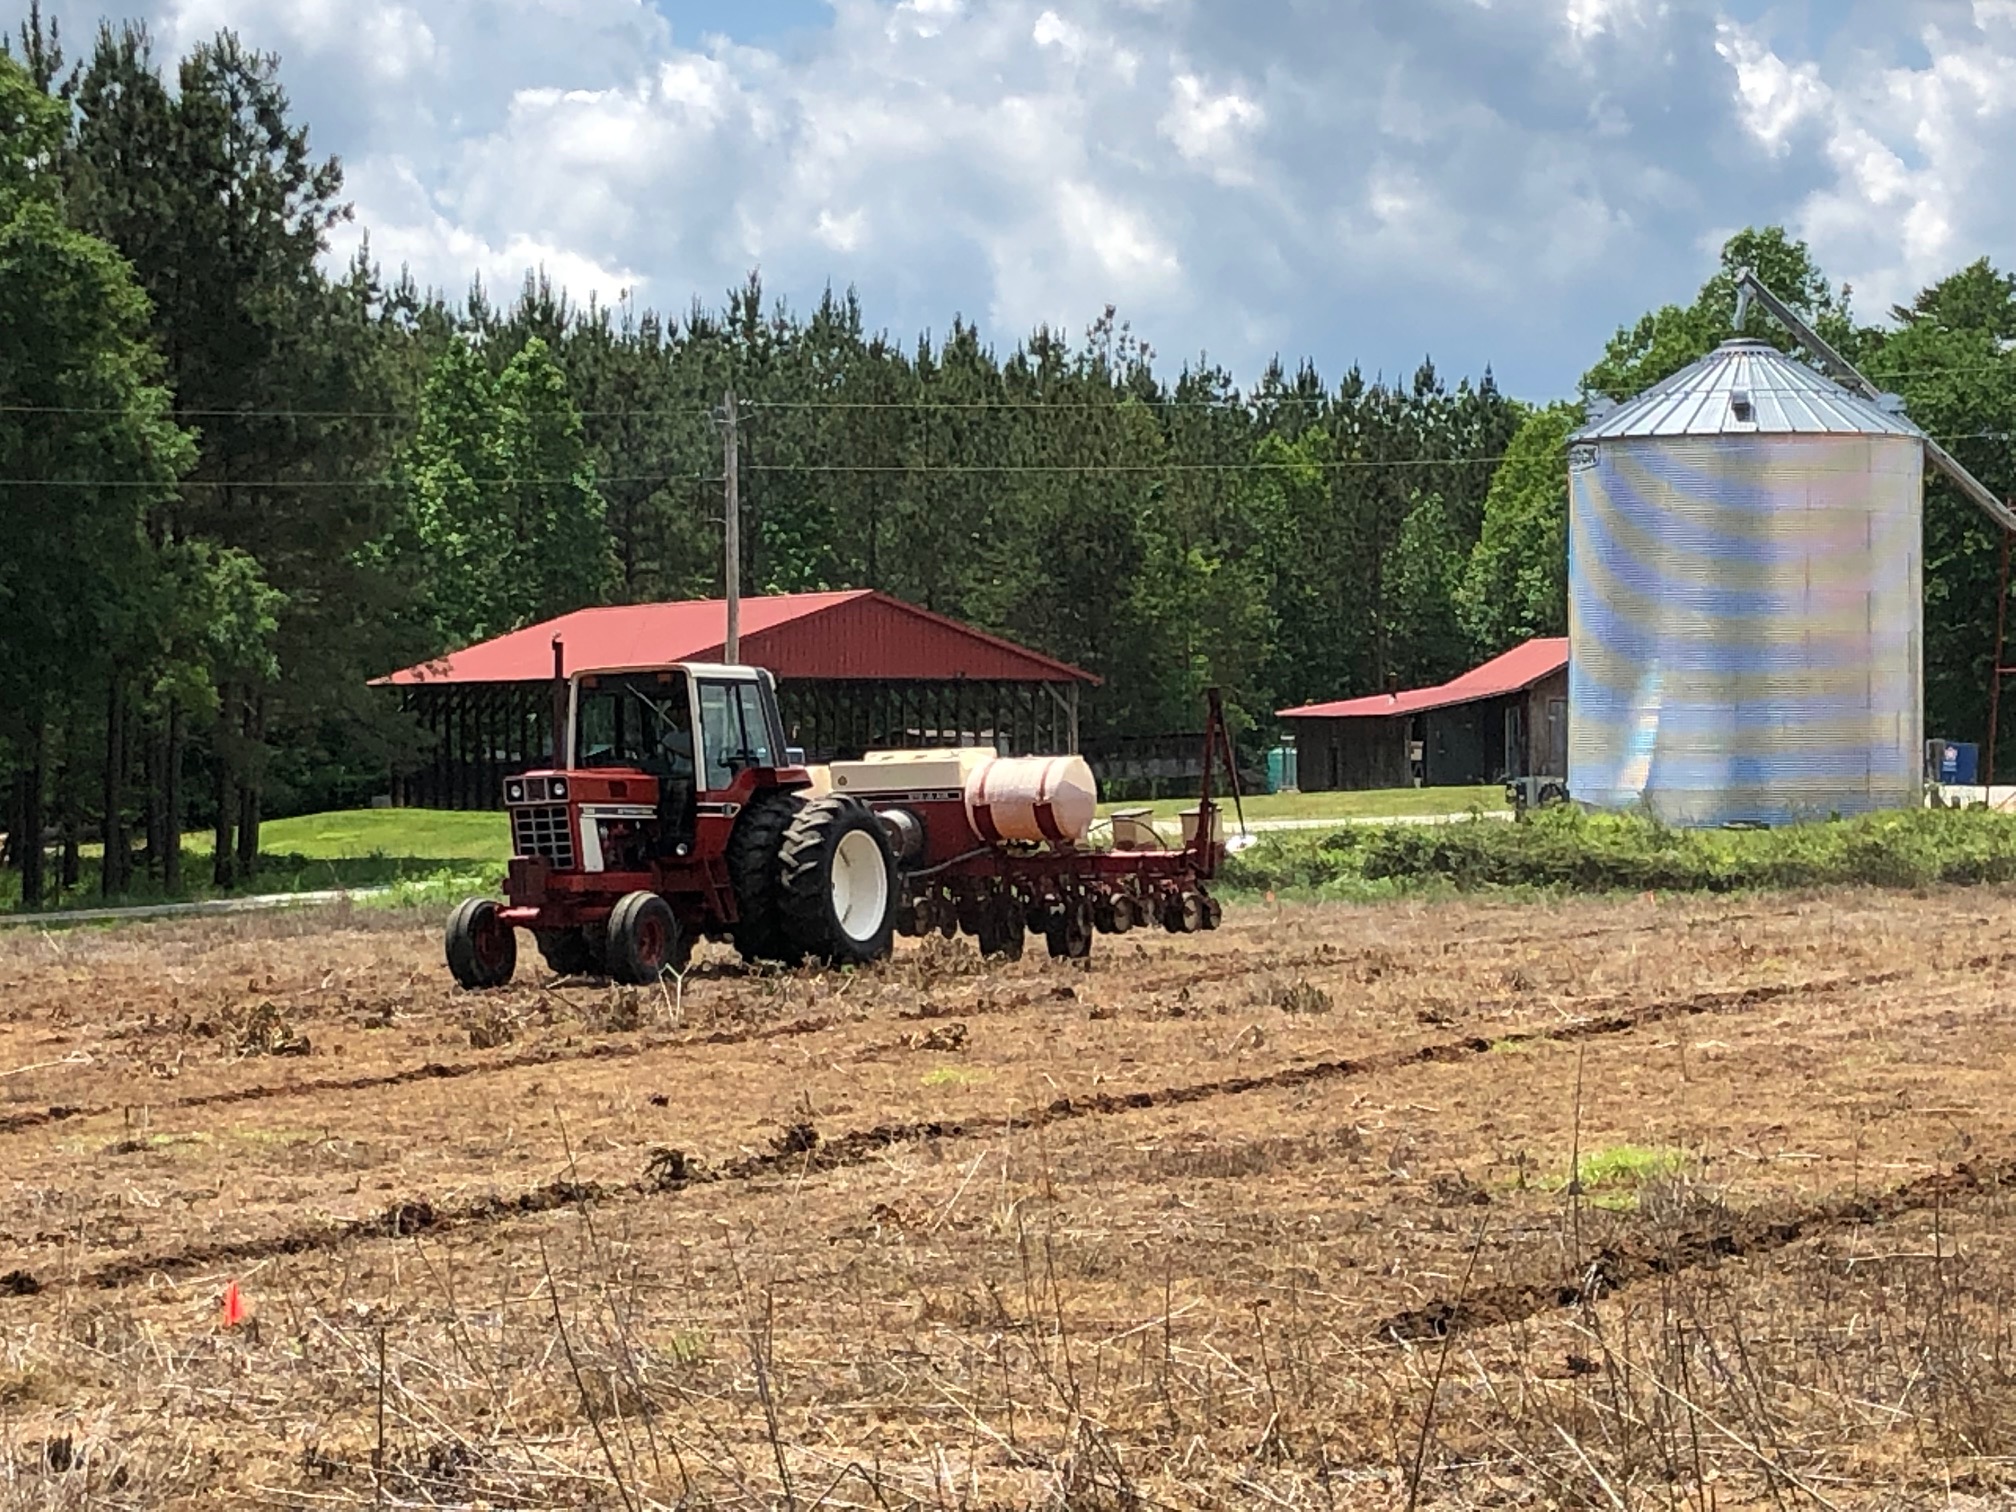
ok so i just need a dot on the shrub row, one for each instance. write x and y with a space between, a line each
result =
1569 850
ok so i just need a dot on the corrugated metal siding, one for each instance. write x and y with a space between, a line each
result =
1786 397
855 634
878 639
1746 614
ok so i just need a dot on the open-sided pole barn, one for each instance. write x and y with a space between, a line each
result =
1505 719
857 671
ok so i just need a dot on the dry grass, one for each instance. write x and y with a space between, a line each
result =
1263 1217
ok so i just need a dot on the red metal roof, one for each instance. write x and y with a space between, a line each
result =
859 634
1514 672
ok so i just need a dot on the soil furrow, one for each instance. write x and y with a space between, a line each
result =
1613 1267
803 1151
35 1118
15 1123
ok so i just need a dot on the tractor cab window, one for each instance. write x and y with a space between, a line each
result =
735 729
641 722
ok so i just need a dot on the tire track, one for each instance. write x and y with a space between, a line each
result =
1614 1267
15 1123
36 1118
802 1151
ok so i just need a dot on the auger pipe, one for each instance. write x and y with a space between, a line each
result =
1749 287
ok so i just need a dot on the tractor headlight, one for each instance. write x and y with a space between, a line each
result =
514 792
558 787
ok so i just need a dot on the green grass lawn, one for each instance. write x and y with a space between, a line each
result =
425 852
417 852
354 834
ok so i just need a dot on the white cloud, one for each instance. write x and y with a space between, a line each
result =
1902 145
1774 96
1489 180
407 229
1212 130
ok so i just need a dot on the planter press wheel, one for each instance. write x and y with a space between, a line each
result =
1183 913
1068 931
1000 928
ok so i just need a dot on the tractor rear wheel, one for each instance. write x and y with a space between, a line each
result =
569 952
753 852
482 948
645 940
837 883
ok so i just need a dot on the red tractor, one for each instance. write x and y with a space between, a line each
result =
674 812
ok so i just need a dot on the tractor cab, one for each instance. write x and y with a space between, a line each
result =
651 751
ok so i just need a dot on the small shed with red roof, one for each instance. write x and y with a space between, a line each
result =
1505 719
856 671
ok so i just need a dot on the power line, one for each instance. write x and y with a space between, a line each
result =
951 469
1241 403
282 484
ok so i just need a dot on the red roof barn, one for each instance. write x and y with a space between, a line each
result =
1507 718
856 671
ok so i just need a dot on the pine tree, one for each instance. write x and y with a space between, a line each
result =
87 449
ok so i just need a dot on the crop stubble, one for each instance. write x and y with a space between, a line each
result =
1197 1223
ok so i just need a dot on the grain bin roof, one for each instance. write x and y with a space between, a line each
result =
1746 388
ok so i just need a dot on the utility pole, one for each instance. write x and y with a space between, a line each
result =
732 575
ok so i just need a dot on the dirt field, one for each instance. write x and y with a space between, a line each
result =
1280 1216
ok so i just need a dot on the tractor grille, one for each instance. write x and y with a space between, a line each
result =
542 831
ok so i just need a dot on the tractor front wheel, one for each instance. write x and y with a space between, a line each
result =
837 883
645 940
482 948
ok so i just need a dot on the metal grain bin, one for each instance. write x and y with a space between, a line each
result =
1745 603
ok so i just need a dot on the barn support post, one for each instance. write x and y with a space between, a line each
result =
443 796
486 756
495 754
463 700
434 777
451 785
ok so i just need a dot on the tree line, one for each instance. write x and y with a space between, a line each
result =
237 484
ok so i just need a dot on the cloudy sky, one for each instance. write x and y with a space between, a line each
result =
1480 181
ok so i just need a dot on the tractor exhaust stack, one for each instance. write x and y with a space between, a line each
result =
560 702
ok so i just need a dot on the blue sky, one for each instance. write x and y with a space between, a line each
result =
1369 181
757 22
